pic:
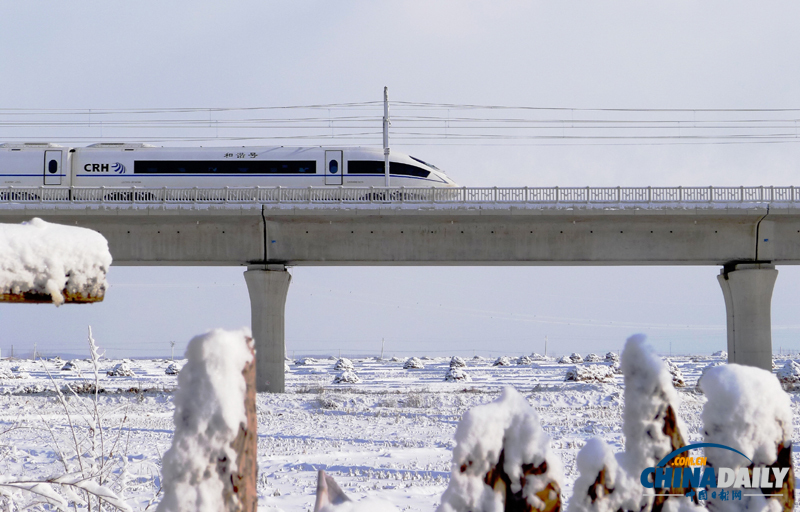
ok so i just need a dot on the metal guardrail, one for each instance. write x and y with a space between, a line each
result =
401 195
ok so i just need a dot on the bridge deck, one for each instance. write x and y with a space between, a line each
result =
395 226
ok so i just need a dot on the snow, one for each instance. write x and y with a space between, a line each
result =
120 370
746 410
502 361
677 375
209 409
789 375
575 358
612 357
344 364
457 362
172 369
456 374
389 437
413 363
49 259
618 489
590 373
650 399
593 358
347 377
507 426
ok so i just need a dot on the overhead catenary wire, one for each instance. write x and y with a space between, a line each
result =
414 124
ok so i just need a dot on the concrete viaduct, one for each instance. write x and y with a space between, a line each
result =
746 231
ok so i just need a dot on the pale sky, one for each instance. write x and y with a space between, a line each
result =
578 55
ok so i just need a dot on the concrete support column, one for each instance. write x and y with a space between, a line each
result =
748 296
268 286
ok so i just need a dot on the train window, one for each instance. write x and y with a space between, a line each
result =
333 167
377 167
52 167
224 167
423 162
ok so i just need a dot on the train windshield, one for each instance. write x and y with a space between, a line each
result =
423 162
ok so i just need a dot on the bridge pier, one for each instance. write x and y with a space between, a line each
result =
747 288
268 286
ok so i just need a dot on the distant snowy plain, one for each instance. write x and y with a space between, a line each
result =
389 436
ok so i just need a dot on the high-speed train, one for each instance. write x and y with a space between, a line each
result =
142 165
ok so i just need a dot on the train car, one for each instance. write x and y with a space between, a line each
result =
34 165
145 166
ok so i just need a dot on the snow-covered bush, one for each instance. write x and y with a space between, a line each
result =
524 360
677 374
413 363
456 374
616 368
173 369
503 456
590 373
306 361
593 358
789 376
20 372
199 468
720 353
347 377
70 366
565 360
419 400
344 364
52 260
87 463
603 485
325 402
538 357
747 410
396 359
612 357
502 361
121 370
6 374
457 362
575 358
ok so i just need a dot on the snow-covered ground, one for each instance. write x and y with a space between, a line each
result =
389 435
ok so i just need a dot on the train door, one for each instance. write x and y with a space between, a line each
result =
333 168
52 168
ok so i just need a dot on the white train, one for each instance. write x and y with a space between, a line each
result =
141 165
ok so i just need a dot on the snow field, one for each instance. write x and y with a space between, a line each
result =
390 436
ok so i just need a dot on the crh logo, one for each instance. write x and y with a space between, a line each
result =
115 167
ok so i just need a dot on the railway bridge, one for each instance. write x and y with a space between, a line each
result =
745 231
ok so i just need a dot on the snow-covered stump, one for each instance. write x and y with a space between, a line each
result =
748 411
650 422
603 485
212 463
50 263
502 461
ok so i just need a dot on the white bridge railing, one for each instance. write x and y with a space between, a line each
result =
401 195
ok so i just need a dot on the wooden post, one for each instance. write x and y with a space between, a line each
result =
246 445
